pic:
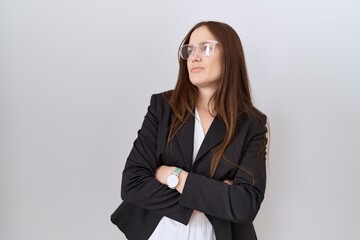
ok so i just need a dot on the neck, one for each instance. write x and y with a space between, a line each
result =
204 99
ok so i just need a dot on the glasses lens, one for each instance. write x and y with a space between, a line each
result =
203 48
207 48
185 51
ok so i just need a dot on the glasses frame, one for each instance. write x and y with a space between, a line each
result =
197 50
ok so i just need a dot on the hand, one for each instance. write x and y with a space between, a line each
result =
195 212
229 182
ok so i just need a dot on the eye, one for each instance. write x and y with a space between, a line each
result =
190 49
207 48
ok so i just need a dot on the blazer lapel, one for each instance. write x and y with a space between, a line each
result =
185 138
214 135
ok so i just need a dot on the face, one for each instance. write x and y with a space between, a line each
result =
204 71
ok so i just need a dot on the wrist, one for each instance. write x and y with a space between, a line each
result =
182 179
173 180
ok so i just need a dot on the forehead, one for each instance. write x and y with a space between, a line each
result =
201 34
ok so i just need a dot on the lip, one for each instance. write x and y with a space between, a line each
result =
196 69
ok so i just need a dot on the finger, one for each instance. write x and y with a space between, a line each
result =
228 182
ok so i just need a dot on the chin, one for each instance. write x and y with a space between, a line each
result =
197 80
204 83
197 83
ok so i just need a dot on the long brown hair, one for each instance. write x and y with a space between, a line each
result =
231 98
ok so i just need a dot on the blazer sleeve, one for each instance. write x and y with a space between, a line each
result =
139 186
241 201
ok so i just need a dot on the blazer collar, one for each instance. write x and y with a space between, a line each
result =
213 137
185 138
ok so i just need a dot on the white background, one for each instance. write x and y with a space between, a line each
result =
76 78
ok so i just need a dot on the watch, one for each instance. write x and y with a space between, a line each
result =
173 180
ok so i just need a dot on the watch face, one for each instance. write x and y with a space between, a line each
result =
172 181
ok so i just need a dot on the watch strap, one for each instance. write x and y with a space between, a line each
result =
177 171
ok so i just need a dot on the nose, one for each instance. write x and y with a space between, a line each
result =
195 56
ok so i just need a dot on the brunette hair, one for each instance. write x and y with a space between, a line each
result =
231 98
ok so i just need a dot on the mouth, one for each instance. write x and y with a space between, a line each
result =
196 69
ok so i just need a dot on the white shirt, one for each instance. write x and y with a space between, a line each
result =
199 226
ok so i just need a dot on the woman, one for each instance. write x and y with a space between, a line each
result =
197 167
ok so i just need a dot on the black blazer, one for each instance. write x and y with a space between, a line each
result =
230 209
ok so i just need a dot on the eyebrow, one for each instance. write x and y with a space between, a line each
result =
212 41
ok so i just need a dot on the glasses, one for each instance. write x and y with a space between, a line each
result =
205 48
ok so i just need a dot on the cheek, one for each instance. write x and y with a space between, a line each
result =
217 70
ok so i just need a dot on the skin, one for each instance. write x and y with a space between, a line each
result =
205 74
